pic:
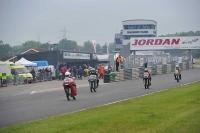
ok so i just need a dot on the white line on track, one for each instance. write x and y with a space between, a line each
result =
59 88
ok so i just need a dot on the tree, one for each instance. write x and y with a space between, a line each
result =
98 47
197 33
88 46
5 50
104 49
1 42
65 44
30 44
111 47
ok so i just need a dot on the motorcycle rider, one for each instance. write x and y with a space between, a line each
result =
68 77
94 72
179 71
146 74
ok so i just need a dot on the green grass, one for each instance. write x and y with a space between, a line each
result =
197 62
176 110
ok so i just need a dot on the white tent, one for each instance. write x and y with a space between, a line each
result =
26 62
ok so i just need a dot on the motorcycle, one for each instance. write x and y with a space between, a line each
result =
146 83
177 75
68 91
146 80
92 79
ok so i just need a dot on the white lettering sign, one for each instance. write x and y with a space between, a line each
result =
158 43
67 55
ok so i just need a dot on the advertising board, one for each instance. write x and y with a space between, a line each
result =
161 43
67 55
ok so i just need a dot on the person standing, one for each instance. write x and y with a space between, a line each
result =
80 73
118 60
63 70
145 64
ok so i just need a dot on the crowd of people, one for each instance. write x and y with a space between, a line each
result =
79 71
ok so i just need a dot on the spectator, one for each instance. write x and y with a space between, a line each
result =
74 71
145 64
118 60
15 73
63 70
33 74
80 73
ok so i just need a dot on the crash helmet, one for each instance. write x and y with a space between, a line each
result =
67 74
146 70
177 66
92 70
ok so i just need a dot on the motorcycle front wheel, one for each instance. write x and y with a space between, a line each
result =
67 92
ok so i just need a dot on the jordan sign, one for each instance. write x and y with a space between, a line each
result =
160 43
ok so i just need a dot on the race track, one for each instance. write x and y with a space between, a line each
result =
23 103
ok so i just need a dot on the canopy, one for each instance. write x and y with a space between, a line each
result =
26 62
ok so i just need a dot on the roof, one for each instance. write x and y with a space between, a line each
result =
34 49
5 58
139 20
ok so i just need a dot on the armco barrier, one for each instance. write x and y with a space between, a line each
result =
135 73
159 69
169 68
127 74
184 66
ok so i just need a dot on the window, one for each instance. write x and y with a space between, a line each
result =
144 27
125 26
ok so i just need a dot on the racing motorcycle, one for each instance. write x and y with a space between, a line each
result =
92 79
177 75
146 80
68 85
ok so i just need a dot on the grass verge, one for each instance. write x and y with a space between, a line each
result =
176 110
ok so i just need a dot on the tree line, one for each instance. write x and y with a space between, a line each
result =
64 44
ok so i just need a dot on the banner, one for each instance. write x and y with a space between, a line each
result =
160 43
67 55
94 45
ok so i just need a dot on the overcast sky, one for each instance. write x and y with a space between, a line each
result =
44 20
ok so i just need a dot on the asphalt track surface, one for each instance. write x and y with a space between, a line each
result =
24 103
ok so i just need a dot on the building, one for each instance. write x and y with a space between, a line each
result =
134 28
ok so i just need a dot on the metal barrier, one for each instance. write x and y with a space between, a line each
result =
153 60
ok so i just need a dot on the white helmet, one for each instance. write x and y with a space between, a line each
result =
146 70
177 66
67 73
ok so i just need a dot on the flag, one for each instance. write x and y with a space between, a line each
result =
94 45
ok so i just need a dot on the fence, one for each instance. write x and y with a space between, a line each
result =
138 60
18 79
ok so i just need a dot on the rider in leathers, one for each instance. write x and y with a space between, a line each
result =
68 77
149 75
179 70
93 72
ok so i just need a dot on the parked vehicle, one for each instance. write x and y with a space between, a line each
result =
92 79
7 70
